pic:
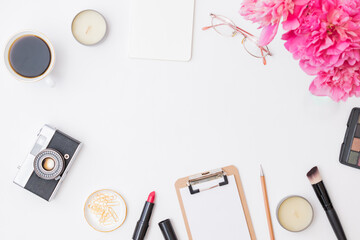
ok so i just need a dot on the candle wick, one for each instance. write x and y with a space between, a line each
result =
88 29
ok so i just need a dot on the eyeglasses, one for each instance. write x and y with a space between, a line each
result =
225 27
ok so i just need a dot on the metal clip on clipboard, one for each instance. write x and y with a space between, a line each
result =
205 177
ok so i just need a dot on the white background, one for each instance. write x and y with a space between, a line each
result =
146 123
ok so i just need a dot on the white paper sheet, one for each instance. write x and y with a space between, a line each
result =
216 213
161 29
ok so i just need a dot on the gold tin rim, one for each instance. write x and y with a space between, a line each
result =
283 200
105 189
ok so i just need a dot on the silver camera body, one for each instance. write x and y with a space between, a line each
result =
48 162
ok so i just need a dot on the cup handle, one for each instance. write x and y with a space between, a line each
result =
50 82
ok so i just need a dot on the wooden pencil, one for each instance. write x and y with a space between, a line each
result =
266 202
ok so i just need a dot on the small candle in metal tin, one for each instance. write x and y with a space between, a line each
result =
295 213
89 27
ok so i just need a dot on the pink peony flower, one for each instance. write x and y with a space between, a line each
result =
339 83
268 13
324 35
327 37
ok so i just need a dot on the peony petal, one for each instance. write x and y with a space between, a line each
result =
342 46
338 94
291 23
267 34
308 69
300 2
328 42
318 91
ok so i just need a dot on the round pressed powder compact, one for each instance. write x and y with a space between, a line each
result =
294 213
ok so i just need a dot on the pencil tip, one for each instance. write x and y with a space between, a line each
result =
261 171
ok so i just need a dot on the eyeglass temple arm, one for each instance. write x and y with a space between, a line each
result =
213 26
229 24
242 31
263 57
236 28
206 28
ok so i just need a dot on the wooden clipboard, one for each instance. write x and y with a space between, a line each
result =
227 171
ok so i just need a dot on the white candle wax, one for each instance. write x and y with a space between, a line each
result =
89 27
295 213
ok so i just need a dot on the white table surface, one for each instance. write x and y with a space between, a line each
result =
146 123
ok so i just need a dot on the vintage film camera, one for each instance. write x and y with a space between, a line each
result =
48 162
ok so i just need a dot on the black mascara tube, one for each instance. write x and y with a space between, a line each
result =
167 230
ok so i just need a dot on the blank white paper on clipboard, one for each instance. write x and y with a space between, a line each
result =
161 29
216 213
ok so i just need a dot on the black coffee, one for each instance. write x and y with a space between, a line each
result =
30 56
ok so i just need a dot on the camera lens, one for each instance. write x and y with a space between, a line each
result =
49 164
